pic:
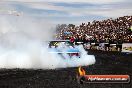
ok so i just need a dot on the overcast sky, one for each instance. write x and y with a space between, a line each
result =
69 11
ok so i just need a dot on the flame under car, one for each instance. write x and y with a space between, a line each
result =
81 75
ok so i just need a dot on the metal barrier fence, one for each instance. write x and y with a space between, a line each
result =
124 47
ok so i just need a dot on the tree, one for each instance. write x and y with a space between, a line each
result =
71 26
59 27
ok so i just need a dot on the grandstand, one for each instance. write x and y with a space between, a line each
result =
112 31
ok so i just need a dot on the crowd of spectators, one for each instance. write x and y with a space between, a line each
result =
108 31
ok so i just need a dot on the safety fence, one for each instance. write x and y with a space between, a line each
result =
124 47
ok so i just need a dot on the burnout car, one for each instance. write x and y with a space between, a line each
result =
64 47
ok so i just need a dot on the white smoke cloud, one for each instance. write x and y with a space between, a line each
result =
22 45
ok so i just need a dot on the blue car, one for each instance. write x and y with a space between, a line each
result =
64 47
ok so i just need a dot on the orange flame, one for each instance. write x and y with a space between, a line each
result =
81 71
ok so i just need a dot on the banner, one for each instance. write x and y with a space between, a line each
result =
101 46
127 47
87 46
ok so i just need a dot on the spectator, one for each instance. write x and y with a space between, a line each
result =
109 31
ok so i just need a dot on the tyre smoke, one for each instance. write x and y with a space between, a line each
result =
22 45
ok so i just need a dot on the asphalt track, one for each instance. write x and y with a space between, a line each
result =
106 63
